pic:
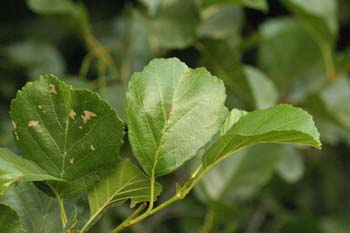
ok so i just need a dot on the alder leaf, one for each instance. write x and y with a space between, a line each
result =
38 213
9 221
172 112
279 124
126 182
16 170
72 134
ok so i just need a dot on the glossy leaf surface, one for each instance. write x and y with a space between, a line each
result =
172 112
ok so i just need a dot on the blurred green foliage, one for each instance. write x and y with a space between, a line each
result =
267 52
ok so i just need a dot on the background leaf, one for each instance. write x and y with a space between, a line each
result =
71 134
9 221
172 112
37 212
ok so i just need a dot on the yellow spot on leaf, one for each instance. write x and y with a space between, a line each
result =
14 126
16 135
72 114
80 127
53 89
40 107
87 116
92 148
33 123
71 161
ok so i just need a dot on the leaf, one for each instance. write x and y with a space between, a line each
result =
126 182
172 112
336 98
16 170
37 212
255 4
263 90
72 134
57 7
275 58
175 24
291 166
47 59
320 17
225 62
279 124
221 22
9 221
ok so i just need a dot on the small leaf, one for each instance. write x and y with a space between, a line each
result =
263 90
9 221
175 24
126 182
72 134
37 212
255 4
291 166
279 124
16 170
172 112
57 7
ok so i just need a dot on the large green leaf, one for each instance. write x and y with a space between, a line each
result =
126 182
172 112
37 212
16 170
9 221
279 124
72 134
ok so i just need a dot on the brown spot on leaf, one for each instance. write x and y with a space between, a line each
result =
169 112
53 89
72 114
87 116
33 123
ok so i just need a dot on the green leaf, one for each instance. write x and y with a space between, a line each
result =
175 24
336 98
172 112
47 59
37 212
9 221
16 170
291 166
221 22
319 16
255 4
263 90
275 58
225 62
126 182
72 134
279 124
57 7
